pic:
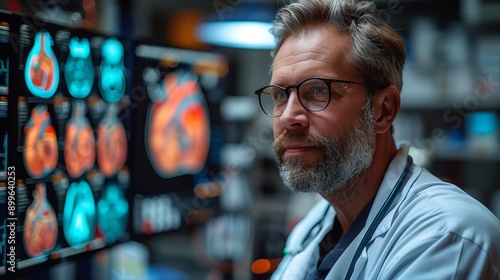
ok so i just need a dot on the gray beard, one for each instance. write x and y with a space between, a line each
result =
346 157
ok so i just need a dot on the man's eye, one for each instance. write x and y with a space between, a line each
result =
320 90
280 95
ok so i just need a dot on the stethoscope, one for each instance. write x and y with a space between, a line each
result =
316 229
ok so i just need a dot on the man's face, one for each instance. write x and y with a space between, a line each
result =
345 157
321 151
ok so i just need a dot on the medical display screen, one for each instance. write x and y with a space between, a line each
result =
102 140
6 182
4 93
68 140
178 136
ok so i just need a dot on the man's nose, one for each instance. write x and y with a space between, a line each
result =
294 113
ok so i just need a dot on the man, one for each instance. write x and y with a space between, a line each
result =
334 94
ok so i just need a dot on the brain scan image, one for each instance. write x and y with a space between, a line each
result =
112 78
79 214
41 72
40 145
40 224
112 213
112 144
79 70
177 126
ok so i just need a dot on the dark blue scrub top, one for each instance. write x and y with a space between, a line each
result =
334 244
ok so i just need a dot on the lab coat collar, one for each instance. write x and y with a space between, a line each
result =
393 173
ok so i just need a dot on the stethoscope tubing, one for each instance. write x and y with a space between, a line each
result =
381 214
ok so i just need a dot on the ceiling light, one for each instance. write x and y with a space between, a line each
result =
245 25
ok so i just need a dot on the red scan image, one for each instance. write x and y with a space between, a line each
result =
178 135
79 145
42 70
111 142
41 75
40 224
40 146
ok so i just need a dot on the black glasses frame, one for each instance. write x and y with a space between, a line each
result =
287 89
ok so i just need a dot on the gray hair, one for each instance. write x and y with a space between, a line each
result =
378 51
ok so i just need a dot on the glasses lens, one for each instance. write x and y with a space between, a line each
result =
314 94
273 100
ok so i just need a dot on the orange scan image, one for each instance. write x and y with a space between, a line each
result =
79 145
178 135
111 142
40 224
40 146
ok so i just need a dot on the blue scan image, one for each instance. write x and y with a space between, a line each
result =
112 79
79 70
79 215
112 213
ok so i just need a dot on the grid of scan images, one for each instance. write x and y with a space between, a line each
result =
111 140
69 133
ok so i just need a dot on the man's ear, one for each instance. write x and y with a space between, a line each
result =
386 104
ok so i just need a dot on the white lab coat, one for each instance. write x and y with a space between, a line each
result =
433 230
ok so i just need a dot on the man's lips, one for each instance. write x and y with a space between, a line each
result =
297 150
294 145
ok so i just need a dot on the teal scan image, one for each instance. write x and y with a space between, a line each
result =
112 78
177 130
79 214
112 213
41 71
5 41
79 70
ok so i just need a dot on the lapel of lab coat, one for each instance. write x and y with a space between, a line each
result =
297 259
394 171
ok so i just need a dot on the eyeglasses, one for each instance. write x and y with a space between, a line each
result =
314 95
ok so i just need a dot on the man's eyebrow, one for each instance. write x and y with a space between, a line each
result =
276 83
